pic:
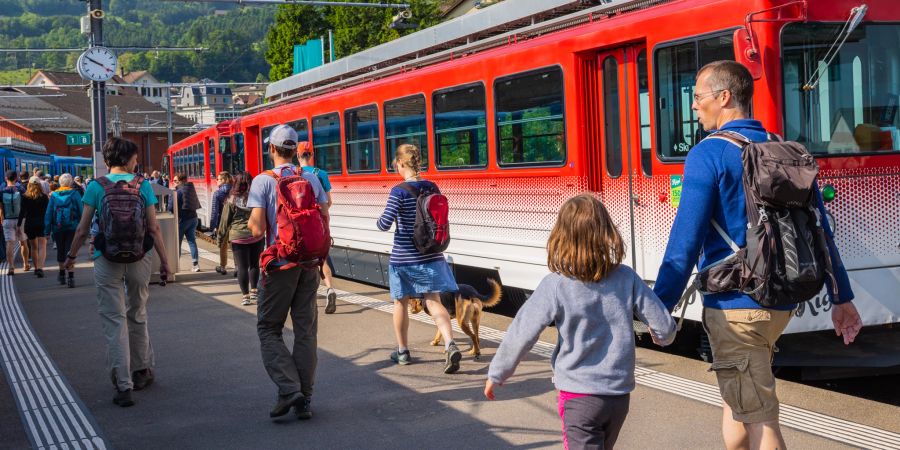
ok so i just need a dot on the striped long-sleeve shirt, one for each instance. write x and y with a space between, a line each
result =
401 208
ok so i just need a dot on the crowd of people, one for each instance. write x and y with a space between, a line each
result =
589 295
37 209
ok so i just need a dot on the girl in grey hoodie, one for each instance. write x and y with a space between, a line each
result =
592 298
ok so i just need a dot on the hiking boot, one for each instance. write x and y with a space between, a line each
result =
221 270
245 301
123 398
451 362
61 277
403 358
331 302
303 410
142 378
285 402
196 268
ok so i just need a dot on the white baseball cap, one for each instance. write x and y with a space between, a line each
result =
283 136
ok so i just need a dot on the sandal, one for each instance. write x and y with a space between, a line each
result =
246 301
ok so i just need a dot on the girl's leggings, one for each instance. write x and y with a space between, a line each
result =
591 421
246 263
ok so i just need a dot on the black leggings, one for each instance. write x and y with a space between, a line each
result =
63 241
246 263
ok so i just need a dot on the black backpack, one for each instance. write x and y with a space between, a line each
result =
123 236
786 260
431 233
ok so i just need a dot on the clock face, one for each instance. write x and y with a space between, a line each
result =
97 64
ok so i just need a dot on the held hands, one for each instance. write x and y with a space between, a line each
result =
489 389
163 273
847 322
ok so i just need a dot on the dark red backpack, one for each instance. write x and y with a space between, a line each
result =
303 236
431 233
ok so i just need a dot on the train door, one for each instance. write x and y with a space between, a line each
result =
225 152
620 103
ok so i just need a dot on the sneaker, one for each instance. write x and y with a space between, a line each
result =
331 302
402 358
285 402
254 295
142 378
123 398
451 362
303 410
61 278
245 301
39 273
11 272
221 270
71 280
196 268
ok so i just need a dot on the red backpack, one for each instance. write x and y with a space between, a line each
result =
431 233
303 237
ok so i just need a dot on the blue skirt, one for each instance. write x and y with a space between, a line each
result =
416 280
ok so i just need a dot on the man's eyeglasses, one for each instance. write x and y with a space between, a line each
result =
698 97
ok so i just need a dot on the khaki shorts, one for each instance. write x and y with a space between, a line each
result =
12 232
743 341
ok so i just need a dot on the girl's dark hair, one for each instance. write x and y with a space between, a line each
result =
240 185
117 152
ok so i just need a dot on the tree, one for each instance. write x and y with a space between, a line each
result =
357 29
294 25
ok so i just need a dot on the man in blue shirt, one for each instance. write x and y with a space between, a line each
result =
305 156
288 290
742 334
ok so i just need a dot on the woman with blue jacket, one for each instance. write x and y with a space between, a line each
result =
61 220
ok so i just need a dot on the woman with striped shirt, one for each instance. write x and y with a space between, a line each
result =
412 274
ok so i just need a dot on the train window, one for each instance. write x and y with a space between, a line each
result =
404 123
266 157
238 161
853 109
211 151
302 128
362 139
612 117
225 151
676 70
644 105
327 142
530 118
460 127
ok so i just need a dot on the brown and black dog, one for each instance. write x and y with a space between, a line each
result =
469 303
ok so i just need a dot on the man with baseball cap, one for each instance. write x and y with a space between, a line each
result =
289 290
305 157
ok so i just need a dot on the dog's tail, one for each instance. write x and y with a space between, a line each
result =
492 301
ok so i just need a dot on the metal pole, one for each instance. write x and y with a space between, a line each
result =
169 115
330 46
322 43
98 94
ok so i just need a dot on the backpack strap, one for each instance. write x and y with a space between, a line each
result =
731 136
409 188
721 231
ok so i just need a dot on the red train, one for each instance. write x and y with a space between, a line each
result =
595 99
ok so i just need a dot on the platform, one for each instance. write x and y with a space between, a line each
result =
211 390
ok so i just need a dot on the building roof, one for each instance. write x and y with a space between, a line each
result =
71 78
132 77
77 104
18 105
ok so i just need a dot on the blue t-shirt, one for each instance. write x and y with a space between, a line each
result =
93 194
323 176
262 195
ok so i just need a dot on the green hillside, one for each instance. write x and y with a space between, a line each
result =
236 37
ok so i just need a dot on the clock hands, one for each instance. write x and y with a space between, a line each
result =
98 63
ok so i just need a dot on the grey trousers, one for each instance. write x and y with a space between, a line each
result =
122 293
594 421
283 292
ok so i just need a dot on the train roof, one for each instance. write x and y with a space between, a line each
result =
478 31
